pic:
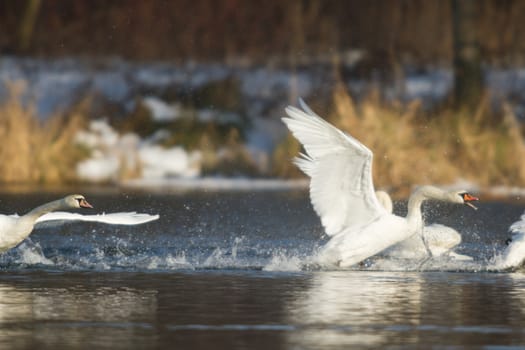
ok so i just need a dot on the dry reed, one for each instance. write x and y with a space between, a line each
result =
35 151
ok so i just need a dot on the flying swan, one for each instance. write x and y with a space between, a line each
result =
14 229
342 192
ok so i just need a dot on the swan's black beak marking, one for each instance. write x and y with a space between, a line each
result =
83 203
468 199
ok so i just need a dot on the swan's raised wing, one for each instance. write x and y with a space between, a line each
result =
123 218
341 187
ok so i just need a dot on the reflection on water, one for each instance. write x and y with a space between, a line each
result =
380 309
355 309
226 310
73 314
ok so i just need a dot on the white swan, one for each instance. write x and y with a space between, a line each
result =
438 239
14 229
514 253
342 192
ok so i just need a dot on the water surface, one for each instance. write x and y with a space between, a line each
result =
227 270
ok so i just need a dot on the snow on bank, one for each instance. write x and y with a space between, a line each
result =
137 163
114 157
158 162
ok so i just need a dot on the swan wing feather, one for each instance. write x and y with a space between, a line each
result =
341 187
121 218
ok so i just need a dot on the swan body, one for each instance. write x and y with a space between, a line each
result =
342 192
14 229
439 239
514 253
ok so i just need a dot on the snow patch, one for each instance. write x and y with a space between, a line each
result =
159 162
114 155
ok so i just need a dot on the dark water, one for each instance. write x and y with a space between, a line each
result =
232 270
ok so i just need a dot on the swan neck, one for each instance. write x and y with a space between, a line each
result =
46 208
414 215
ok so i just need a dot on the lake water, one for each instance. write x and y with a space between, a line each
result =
233 270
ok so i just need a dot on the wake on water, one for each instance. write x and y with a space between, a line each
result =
117 253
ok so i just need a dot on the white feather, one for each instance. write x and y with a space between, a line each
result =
121 218
339 166
514 253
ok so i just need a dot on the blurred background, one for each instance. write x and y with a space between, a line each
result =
152 91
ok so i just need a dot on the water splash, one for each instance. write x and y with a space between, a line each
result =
282 261
255 251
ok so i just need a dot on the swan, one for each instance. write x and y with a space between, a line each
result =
514 253
439 239
14 229
342 192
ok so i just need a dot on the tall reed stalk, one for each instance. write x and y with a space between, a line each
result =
32 150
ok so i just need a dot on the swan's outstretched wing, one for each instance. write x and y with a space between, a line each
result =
123 218
341 187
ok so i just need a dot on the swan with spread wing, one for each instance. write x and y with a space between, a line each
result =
342 192
14 229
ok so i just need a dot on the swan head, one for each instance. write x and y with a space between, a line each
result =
466 198
77 201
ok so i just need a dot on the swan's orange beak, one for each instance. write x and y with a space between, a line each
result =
84 204
468 199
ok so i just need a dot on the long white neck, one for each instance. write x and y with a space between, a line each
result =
59 204
414 215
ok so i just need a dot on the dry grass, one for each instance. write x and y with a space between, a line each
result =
33 151
411 147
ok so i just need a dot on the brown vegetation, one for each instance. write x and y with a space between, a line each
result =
410 145
33 151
